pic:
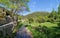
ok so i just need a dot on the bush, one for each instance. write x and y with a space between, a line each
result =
30 20
43 32
41 20
59 25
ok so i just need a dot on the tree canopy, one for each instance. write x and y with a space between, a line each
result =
59 9
15 4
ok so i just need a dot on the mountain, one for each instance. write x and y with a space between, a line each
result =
37 14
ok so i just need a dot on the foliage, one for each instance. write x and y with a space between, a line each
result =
41 24
14 4
59 13
59 9
41 19
53 16
59 25
43 32
49 24
46 28
30 20
38 16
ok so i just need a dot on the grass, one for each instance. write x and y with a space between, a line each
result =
53 32
35 24
48 24
37 34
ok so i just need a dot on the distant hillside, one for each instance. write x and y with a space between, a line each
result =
36 14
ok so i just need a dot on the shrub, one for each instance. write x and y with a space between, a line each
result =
59 25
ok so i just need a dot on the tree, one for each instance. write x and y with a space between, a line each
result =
53 16
41 19
59 13
15 5
30 20
59 9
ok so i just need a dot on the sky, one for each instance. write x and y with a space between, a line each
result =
42 5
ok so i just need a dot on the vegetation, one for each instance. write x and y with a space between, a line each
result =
44 25
41 24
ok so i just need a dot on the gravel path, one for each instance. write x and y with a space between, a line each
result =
23 32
